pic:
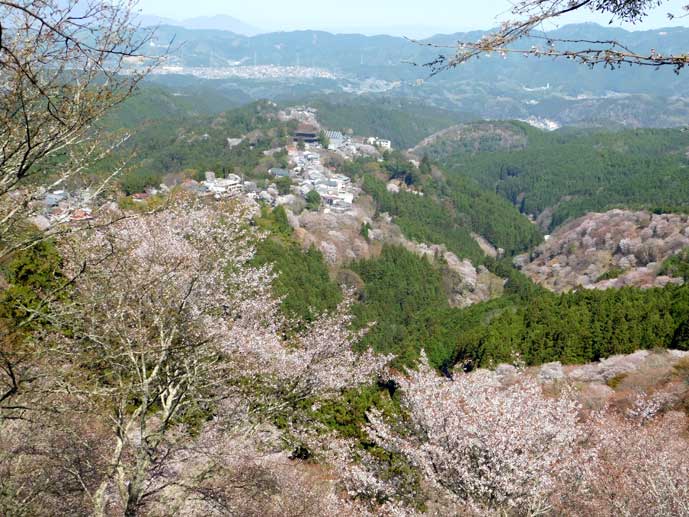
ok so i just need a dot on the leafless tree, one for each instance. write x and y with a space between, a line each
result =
63 65
529 17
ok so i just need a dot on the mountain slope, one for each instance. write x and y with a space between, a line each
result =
153 102
401 121
566 173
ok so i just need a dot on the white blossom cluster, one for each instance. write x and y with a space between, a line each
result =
318 361
483 443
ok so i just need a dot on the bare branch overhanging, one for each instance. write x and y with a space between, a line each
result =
530 16
63 65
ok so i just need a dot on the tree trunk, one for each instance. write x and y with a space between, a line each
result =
135 488
99 498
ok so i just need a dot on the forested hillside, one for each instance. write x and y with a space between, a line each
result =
448 211
404 295
566 173
483 175
573 328
303 280
403 122
157 103
551 176
209 308
397 287
190 145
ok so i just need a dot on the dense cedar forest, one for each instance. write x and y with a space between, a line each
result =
394 303
572 328
303 280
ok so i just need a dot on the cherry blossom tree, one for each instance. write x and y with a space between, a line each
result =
643 468
168 326
319 360
141 336
63 66
226 473
497 448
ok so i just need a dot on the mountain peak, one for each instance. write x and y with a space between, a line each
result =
221 22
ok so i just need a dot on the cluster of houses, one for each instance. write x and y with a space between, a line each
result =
349 147
218 188
229 186
305 172
61 206
385 145
308 174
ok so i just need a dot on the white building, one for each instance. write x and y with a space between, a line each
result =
221 187
336 139
379 142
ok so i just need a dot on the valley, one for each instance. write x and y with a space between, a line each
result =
307 273
467 208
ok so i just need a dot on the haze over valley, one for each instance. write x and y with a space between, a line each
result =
284 65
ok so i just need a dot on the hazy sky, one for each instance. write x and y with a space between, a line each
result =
364 15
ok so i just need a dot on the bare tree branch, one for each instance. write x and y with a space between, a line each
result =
530 16
63 65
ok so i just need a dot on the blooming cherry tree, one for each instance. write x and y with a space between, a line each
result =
496 448
643 467
152 303
166 320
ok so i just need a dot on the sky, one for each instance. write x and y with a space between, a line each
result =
371 16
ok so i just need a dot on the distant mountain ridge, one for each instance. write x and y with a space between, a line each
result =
556 92
228 37
220 22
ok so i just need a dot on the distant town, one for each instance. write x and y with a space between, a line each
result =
248 72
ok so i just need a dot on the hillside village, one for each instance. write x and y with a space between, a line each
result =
599 251
306 172
305 176
337 210
590 252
